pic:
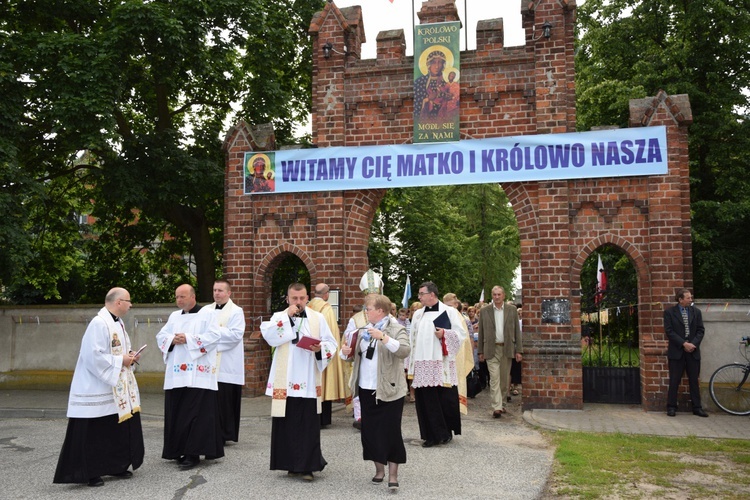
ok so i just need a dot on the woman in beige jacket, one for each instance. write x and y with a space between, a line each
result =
378 353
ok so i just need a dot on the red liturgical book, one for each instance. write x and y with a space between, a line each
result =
353 344
307 342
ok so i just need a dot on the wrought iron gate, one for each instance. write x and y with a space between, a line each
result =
610 357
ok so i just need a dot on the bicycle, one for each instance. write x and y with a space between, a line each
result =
729 385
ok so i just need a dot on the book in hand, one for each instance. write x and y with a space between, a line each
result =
353 344
444 322
307 342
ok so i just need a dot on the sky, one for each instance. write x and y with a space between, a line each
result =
382 15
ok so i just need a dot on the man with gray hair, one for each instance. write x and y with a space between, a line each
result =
499 342
104 435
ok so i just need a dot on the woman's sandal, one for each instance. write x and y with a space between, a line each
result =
377 479
393 486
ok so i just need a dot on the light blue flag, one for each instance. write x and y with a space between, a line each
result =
407 293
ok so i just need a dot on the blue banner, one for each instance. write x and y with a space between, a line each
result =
581 155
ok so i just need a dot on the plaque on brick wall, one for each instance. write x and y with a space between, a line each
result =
556 311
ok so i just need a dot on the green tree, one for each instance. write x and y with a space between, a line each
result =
631 49
147 88
460 237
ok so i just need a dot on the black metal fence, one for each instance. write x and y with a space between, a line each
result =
610 356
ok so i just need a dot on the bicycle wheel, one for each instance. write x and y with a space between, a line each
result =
730 388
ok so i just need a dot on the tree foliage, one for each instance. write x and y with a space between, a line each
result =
631 49
464 238
146 90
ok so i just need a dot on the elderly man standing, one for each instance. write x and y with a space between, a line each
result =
104 435
229 320
303 346
436 335
333 382
191 403
499 342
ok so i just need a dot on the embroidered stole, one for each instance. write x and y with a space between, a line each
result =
280 380
223 319
125 392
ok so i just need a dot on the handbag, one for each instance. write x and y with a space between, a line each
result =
473 386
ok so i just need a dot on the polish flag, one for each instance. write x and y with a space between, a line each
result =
601 282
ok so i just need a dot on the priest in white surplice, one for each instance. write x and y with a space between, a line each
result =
229 319
191 404
432 367
294 383
104 435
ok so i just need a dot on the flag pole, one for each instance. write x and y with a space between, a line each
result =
413 31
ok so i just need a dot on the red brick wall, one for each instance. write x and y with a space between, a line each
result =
504 91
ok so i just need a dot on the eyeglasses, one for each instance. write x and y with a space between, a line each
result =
423 293
127 300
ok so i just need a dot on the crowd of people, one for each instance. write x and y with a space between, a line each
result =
385 357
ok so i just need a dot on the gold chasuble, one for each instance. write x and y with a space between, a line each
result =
333 380
464 365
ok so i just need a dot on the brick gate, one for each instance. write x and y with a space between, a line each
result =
523 90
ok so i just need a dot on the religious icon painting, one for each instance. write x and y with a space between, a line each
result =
260 173
437 92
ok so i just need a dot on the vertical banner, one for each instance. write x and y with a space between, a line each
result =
437 71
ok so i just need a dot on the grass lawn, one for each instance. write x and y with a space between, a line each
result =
619 466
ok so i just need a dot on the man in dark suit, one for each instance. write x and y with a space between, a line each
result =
499 342
683 325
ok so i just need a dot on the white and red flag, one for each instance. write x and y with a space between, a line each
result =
601 282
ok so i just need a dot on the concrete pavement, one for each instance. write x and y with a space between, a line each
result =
32 427
626 419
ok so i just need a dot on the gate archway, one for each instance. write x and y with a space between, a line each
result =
507 91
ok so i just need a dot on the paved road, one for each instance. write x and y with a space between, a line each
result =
32 427
466 468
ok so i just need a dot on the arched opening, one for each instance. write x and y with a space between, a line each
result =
290 269
465 238
609 328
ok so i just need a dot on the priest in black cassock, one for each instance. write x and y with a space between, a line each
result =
191 405
229 319
304 345
104 435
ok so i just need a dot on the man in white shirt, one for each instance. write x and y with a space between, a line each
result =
499 342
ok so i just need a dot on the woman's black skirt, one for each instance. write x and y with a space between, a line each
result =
382 441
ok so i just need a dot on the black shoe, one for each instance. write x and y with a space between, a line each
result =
126 474
96 481
700 413
428 444
189 462
181 459
357 424
393 486
671 412
508 399
447 440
